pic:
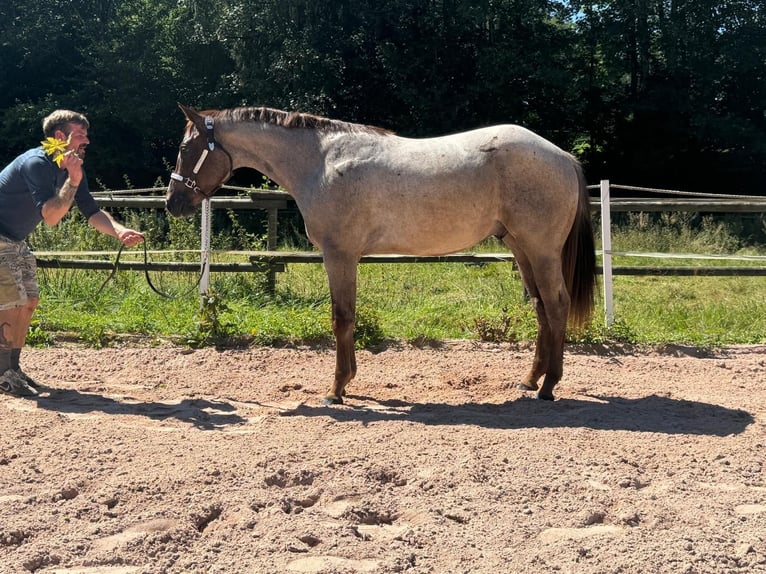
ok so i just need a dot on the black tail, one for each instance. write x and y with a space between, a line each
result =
579 260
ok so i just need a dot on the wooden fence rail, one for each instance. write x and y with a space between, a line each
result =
273 262
278 260
269 200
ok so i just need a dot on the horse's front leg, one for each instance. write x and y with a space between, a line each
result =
341 273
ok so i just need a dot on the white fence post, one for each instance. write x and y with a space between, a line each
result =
204 281
606 247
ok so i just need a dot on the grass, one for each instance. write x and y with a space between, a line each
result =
418 303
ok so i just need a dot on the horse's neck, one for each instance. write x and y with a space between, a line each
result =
285 155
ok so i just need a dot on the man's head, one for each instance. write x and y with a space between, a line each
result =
62 124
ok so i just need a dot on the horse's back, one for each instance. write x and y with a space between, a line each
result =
531 177
438 195
465 160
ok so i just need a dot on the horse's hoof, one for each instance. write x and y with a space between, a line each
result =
331 400
523 387
545 397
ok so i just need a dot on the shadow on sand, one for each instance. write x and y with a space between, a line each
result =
653 413
646 414
202 413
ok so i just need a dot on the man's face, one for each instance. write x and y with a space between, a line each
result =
78 138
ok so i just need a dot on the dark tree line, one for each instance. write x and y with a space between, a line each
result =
650 92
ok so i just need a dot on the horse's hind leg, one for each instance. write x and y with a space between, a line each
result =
540 362
545 285
552 311
542 347
341 273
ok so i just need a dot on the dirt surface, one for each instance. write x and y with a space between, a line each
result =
161 459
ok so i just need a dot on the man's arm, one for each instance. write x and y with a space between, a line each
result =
104 223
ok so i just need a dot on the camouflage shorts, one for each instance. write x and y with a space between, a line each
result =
18 274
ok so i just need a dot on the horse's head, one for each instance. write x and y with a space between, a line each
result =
202 167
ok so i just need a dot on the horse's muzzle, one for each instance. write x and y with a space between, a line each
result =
178 203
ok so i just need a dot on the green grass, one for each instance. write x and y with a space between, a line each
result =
419 303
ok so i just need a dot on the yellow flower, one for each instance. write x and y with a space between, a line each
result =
55 148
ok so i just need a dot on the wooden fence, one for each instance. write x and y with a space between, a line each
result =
679 201
272 261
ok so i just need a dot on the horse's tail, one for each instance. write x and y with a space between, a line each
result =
579 260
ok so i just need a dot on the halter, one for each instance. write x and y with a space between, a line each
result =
191 182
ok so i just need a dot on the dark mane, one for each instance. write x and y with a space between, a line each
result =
293 120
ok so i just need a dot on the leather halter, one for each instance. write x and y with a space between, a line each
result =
191 182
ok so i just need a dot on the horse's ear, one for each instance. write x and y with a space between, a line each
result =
190 113
193 116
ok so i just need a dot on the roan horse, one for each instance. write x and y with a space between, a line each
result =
363 190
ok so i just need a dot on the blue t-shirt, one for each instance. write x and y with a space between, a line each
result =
26 184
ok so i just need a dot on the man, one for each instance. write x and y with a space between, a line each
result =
39 187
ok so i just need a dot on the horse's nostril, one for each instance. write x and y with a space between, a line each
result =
179 205
175 205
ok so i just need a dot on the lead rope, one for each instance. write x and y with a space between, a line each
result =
146 274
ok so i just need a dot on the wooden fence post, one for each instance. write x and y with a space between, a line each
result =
606 248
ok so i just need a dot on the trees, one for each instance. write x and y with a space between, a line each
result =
666 92
685 84
124 63
421 68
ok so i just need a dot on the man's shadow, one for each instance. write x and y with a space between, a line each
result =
202 413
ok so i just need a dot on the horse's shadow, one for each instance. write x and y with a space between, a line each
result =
204 414
646 414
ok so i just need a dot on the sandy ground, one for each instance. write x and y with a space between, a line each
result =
165 460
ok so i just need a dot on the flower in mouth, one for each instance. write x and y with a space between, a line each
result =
56 148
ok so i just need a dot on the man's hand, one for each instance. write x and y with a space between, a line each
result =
130 237
72 163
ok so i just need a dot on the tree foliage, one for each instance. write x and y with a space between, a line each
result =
661 92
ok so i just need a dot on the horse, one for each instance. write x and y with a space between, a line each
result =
364 190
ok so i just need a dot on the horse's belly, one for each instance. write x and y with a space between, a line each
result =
428 235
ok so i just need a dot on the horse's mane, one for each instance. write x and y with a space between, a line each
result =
293 120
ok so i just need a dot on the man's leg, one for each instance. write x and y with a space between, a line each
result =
11 381
18 300
20 337
8 318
